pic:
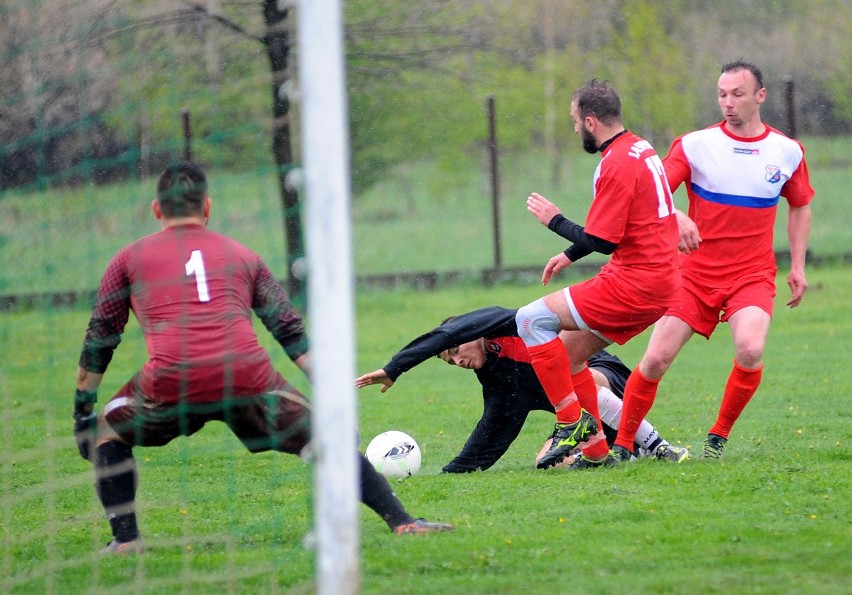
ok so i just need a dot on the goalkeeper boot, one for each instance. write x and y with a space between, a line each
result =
566 437
123 548
667 452
418 526
713 447
581 462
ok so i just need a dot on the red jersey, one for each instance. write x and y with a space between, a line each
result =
633 208
193 291
734 185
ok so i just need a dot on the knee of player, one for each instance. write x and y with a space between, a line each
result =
537 324
749 355
655 363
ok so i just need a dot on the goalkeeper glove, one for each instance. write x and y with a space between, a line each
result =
85 422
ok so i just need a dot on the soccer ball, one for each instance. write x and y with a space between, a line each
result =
394 454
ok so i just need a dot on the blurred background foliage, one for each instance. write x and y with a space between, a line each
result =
92 90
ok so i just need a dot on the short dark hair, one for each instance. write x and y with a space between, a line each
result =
599 99
181 190
738 65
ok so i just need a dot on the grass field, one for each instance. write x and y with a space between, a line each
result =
772 517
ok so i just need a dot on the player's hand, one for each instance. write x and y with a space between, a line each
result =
377 377
84 432
554 266
689 238
543 209
798 286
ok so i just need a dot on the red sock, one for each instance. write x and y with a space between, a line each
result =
742 384
587 391
587 394
553 369
639 395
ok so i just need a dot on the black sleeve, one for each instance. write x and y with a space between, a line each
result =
277 314
491 438
583 243
109 317
461 329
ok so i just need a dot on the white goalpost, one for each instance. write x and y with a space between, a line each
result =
325 160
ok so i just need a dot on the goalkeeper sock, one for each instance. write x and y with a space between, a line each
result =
378 495
115 483
741 386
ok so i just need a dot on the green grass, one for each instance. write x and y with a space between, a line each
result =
772 517
422 217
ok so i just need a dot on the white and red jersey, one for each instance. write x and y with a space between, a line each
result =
734 185
633 208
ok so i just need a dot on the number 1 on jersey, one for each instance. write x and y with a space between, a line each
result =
195 266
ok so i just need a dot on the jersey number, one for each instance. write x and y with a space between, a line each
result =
195 266
665 205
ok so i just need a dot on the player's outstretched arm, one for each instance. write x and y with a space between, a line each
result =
377 377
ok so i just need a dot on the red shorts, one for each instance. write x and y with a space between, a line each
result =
610 311
702 304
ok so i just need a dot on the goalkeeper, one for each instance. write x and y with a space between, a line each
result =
487 342
193 291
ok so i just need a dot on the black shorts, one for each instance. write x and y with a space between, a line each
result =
277 420
613 368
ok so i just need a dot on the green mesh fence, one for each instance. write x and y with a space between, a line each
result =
93 104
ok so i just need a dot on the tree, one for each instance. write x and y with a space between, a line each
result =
277 41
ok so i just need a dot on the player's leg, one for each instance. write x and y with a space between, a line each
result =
539 324
280 421
596 449
749 329
670 334
115 484
131 419
377 494
647 439
116 477
581 345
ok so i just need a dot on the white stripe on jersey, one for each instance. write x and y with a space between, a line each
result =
739 172
116 403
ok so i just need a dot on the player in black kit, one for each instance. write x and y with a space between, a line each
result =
487 341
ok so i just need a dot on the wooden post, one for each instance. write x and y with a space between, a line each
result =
789 100
187 135
495 183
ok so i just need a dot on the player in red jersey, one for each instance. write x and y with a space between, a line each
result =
632 218
735 172
192 291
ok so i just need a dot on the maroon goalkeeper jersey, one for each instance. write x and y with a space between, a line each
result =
193 292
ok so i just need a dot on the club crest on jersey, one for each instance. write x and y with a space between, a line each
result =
745 151
773 174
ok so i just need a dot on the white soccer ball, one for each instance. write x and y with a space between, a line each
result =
394 454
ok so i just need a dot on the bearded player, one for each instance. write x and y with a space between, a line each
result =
631 218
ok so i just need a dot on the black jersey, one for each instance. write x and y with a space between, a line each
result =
510 387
